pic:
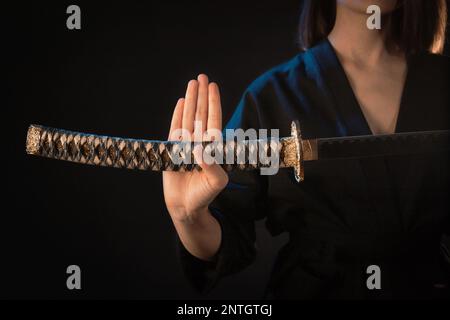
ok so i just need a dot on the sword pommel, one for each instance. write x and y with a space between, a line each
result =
33 139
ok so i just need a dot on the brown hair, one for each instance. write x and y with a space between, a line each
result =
414 26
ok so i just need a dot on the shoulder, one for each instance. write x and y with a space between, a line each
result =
281 74
263 97
432 62
430 71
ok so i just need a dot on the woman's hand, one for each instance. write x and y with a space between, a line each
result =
188 194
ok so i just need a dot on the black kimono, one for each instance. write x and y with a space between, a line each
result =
348 214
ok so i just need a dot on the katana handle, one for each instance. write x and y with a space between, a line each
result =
154 155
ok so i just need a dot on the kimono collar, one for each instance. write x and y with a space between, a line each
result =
348 114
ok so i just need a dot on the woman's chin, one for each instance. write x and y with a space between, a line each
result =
360 6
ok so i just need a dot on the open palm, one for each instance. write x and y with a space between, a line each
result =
188 194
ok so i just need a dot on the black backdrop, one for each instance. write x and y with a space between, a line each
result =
121 74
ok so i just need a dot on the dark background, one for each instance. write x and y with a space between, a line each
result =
121 75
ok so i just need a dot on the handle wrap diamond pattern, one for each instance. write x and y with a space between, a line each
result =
142 154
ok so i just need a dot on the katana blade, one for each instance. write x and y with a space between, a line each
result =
236 155
404 143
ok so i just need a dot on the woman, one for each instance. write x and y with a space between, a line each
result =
349 214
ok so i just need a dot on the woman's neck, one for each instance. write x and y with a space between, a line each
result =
353 41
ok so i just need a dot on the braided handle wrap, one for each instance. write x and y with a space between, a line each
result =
149 155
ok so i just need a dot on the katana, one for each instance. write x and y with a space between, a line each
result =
291 152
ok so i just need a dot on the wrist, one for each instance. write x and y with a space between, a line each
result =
198 217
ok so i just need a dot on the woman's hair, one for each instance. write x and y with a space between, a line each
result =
414 26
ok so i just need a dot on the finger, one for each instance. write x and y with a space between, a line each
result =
214 107
201 114
190 105
176 122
